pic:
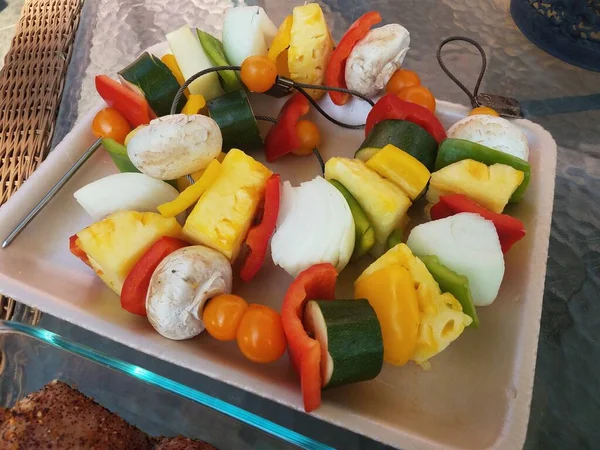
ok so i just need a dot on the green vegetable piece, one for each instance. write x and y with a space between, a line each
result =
365 234
154 80
403 134
454 150
349 334
455 284
118 154
395 238
216 53
235 118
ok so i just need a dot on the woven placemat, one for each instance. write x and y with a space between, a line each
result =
31 85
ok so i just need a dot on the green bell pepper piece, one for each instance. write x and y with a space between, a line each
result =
216 53
118 154
395 238
455 284
454 150
365 234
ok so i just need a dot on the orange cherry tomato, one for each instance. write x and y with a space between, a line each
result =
222 316
485 111
401 79
109 123
260 335
309 137
419 95
258 73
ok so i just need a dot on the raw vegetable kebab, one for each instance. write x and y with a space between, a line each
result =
192 209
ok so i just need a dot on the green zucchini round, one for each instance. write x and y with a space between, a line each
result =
235 118
152 78
349 334
403 134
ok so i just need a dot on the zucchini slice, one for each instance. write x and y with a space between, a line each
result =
349 334
152 78
403 134
235 118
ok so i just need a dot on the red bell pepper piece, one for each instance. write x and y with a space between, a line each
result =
259 235
77 251
135 288
336 69
509 229
282 137
393 107
316 282
132 105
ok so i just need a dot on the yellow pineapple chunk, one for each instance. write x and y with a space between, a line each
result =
442 319
310 46
383 202
114 244
402 169
491 186
223 215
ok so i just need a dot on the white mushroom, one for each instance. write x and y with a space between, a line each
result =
491 131
176 145
181 285
375 58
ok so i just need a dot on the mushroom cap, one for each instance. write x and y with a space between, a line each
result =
175 145
180 287
493 132
376 57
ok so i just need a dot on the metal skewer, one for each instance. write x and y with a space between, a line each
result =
50 195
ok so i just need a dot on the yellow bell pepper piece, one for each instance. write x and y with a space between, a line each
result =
183 182
192 193
391 292
170 61
194 104
278 53
402 169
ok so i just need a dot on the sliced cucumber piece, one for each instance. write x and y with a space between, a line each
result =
349 334
235 118
403 134
153 79
365 234
215 52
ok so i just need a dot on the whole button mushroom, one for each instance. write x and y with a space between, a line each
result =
174 146
375 58
180 287
493 132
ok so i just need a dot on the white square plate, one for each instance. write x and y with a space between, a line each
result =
477 394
